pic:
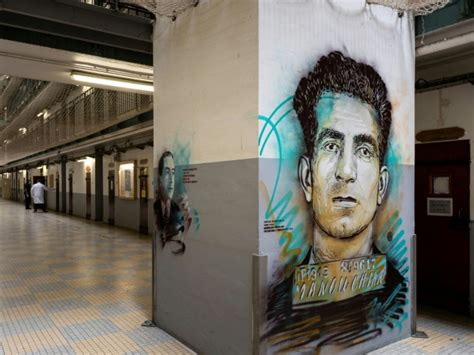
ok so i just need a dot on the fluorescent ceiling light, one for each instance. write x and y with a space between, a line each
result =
43 113
112 81
86 159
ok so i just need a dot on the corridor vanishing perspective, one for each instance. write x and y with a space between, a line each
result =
68 285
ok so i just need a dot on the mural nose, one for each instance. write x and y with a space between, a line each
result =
346 168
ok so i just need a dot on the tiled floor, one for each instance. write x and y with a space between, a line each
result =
447 334
68 285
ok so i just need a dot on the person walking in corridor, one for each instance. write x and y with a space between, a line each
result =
27 193
37 192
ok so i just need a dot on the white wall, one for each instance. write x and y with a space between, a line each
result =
133 155
127 212
208 60
52 170
449 107
79 176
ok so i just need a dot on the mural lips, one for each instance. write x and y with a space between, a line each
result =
344 202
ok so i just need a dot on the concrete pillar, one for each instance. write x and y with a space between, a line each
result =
211 99
278 127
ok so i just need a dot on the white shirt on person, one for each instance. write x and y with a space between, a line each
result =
37 193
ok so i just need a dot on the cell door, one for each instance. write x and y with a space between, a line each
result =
88 195
143 181
17 186
111 192
57 193
71 195
442 224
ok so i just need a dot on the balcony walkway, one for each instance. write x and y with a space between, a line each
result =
68 285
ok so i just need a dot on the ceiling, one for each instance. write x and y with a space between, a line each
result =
55 65
446 52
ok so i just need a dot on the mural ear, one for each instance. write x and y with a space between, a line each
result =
383 184
305 177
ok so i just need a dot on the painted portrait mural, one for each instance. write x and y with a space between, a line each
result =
173 215
335 218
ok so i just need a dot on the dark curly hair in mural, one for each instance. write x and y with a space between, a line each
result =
339 74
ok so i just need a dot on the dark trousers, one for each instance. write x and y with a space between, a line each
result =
27 203
39 205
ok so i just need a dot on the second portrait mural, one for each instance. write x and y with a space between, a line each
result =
173 213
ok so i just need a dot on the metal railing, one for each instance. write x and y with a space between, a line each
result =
456 11
89 113
4 80
27 90
121 7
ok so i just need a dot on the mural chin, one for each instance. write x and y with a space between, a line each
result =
168 193
344 223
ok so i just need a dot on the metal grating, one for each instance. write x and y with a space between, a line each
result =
419 7
89 113
168 8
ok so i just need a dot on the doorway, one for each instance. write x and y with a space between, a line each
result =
57 192
143 182
442 176
88 194
111 192
71 194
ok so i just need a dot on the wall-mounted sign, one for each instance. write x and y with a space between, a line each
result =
441 185
440 134
440 206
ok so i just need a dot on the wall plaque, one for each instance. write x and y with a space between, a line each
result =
440 206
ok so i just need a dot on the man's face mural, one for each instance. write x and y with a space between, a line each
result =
344 287
344 180
167 178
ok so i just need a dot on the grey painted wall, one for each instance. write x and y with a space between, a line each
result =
471 271
51 204
79 205
204 296
127 213
130 209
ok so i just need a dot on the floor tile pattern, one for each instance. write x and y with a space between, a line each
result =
447 334
68 285
72 286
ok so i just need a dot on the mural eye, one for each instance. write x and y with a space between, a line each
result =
365 153
331 147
